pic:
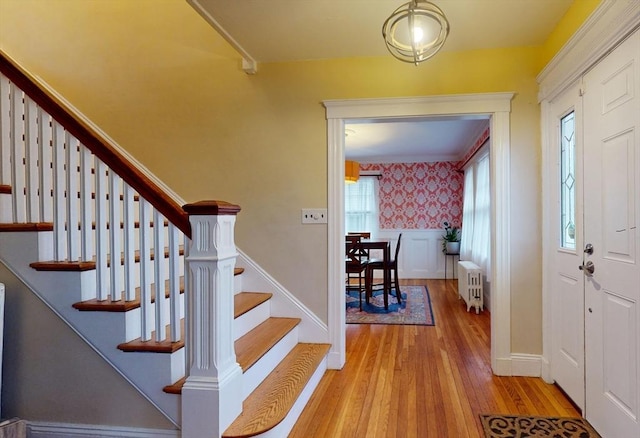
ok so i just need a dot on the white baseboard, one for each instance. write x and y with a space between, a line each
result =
520 364
526 365
37 429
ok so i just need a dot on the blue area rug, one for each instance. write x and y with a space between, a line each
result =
414 310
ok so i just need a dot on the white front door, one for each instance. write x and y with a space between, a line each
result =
611 215
567 282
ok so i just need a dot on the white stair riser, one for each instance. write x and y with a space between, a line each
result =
5 209
261 369
102 330
237 284
250 320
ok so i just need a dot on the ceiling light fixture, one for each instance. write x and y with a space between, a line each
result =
351 171
415 31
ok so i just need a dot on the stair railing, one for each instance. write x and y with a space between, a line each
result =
94 213
57 173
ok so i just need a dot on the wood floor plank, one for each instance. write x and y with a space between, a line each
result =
421 381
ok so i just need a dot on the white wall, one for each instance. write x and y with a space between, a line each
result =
420 253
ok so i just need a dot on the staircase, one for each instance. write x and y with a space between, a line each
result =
155 288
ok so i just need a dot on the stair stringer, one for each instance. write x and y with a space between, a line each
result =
102 331
283 303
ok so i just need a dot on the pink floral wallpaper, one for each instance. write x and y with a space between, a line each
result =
473 149
419 195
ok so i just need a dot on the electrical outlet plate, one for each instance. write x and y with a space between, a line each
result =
314 215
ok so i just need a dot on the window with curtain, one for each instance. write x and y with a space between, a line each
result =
475 243
361 205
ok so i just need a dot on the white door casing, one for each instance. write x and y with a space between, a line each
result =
612 211
567 282
495 105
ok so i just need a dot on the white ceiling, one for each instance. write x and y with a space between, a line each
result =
293 30
411 140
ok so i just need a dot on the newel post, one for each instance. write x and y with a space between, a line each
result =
212 393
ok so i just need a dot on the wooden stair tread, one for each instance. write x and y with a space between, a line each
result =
94 305
175 388
255 344
166 346
91 264
6 189
272 400
238 271
245 301
28 226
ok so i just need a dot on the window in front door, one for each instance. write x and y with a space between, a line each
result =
567 181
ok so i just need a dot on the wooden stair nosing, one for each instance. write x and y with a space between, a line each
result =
5 189
245 301
44 226
91 264
255 344
28 226
272 400
249 349
151 346
175 388
108 305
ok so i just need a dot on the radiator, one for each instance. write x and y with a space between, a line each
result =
470 285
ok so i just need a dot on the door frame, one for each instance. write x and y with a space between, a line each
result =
609 24
495 105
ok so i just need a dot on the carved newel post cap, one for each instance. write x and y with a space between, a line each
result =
211 208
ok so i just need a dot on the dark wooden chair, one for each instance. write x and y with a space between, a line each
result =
392 267
361 234
356 263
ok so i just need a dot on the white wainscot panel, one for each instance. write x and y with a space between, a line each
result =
420 253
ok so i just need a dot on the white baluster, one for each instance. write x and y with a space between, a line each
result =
6 212
17 155
59 220
86 206
174 282
101 232
129 243
159 274
115 245
31 160
73 206
45 167
145 268
5 128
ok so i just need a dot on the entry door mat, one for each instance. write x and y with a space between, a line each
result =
524 426
414 310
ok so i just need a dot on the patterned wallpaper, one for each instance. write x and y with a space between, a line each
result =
473 149
419 195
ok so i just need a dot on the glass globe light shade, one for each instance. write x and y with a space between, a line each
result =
415 31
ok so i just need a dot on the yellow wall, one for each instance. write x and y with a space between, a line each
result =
570 22
158 79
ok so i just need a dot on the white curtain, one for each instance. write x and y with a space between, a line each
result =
475 244
467 214
361 206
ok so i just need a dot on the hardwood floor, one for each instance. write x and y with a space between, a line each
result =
419 381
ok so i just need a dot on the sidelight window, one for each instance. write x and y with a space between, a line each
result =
567 181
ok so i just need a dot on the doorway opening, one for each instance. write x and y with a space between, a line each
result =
495 106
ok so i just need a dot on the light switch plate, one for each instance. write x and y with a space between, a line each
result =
314 215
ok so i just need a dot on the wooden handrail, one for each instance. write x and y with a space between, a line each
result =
98 145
